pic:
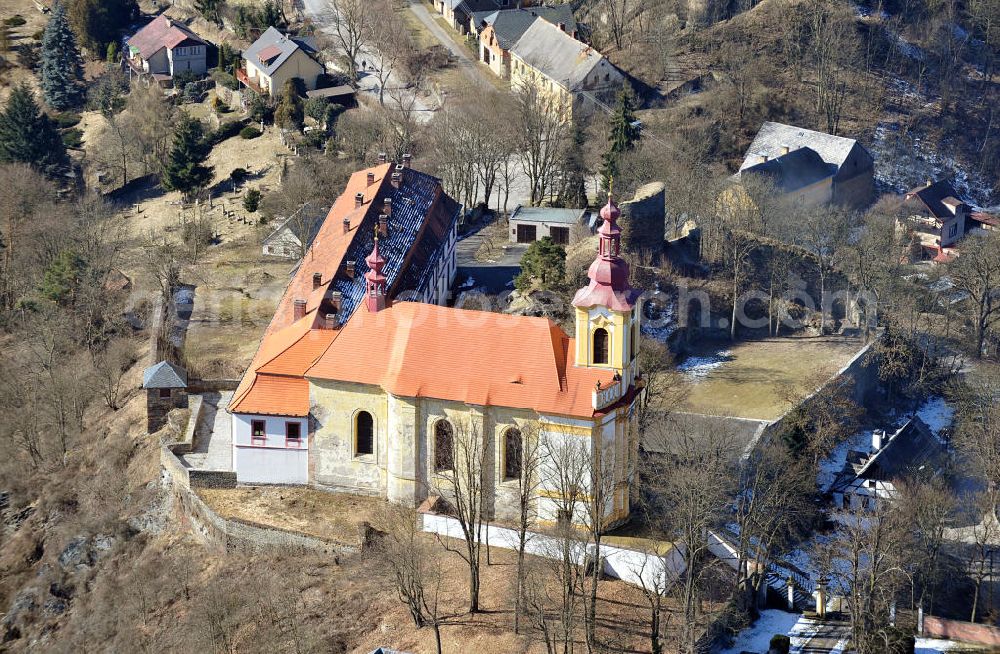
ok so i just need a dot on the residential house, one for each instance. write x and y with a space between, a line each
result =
294 235
799 176
529 224
871 476
936 217
853 182
356 389
573 75
458 13
498 31
164 48
275 58
983 220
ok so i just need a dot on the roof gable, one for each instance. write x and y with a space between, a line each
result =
272 49
936 198
773 137
164 375
160 33
556 54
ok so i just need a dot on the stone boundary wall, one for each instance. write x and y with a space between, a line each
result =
865 380
969 632
234 535
196 385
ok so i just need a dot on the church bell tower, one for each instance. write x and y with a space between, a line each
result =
607 309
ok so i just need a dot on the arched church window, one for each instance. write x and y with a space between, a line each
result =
444 446
364 433
600 345
512 448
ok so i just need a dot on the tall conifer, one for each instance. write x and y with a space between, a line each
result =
622 136
185 170
28 136
62 72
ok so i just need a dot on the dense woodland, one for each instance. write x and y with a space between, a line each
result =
91 555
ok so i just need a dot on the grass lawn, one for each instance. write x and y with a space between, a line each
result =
761 379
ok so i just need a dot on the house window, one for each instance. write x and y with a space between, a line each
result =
293 434
257 434
364 434
444 446
512 454
600 345
953 230
871 483
164 393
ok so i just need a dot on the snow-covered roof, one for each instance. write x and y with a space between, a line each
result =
774 137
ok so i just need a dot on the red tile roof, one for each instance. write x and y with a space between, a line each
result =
161 32
414 349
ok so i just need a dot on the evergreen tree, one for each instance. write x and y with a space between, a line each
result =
28 136
289 113
211 10
62 277
622 136
185 170
96 22
543 262
62 73
573 192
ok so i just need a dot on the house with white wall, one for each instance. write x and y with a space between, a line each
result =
275 58
164 48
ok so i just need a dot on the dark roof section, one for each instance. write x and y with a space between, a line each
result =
164 375
913 449
935 197
420 220
510 24
773 137
793 171
275 48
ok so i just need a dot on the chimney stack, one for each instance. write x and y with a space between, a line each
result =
929 183
337 300
406 160
370 178
878 439
347 225
317 280
562 27
383 225
382 157
785 149
387 206
397 179
349 269
762 158
331 321
298 309
359 199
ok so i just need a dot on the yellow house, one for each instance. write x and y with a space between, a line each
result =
275 58
569 72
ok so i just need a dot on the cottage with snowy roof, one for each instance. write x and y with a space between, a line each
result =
355 388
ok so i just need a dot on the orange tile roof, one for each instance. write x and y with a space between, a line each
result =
424 350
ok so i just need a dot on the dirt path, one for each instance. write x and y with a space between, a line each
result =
467 65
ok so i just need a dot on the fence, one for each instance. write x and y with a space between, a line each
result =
644 569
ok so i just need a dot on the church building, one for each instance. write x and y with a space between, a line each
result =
385 398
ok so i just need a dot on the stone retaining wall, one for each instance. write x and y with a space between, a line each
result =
232 534
969 632
196 385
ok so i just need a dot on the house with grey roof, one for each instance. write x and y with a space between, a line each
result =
294 234
529 224
853 182
166 388
275 58
799 176
912 451
576 77
458 13
498 31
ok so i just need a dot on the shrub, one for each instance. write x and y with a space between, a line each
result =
251 200
226 130
37 36
316 108
238 175
226 80
66 119
218 105
14 21
72 138
192 93
112 53
249 132
780 643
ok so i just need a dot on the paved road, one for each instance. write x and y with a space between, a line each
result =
475 74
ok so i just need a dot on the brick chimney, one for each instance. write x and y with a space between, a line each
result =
370 178
359 199
387 206
383 225
317 280
330 321
406 160
382 157
878 439
349 268
562 27
347 225
785 149
762 158
298 309
397 180
337 300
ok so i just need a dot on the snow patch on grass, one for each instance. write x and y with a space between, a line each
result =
933 645
701 367
757 637
937 414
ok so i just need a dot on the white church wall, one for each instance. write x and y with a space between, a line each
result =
275 460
